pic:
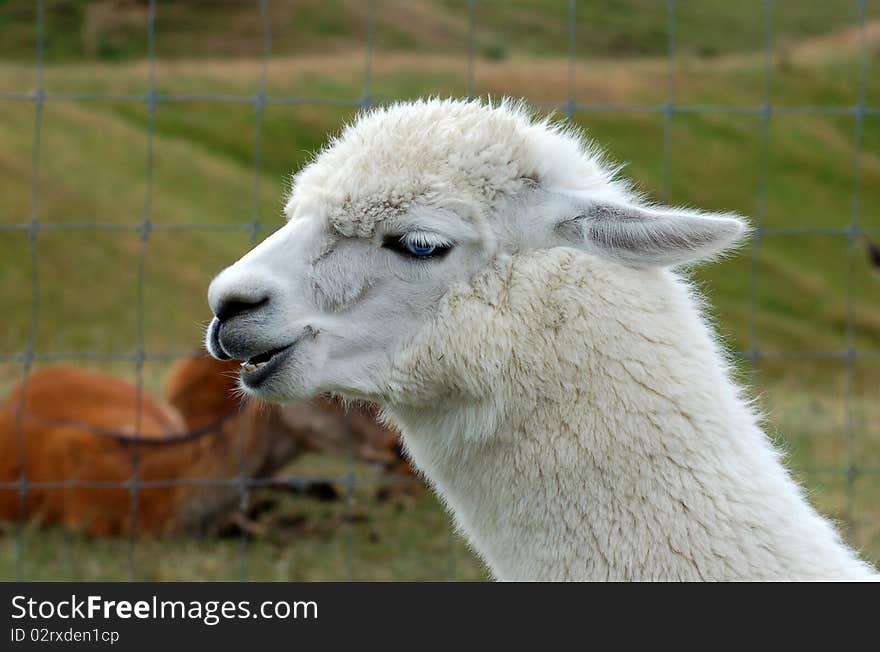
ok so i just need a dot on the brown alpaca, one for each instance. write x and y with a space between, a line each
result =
78 428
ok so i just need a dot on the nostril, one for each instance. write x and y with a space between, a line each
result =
235 306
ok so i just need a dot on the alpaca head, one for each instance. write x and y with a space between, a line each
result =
404 216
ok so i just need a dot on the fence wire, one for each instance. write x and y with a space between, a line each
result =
153 100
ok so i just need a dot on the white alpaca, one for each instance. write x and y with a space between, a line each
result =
487 279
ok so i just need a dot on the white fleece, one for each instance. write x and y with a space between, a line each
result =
595 434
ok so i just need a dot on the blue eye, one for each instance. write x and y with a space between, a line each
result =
414 249
419 250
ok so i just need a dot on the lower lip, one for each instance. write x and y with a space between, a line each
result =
253 379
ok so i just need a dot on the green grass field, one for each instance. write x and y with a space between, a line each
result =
92 165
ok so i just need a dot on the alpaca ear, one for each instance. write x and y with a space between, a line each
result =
642 236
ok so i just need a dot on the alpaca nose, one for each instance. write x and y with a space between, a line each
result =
244 301
237 291
229 307
226 308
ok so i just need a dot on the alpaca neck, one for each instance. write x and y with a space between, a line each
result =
634 459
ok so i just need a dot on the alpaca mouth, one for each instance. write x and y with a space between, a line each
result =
256 369
257 361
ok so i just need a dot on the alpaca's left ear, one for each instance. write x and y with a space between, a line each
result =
642 236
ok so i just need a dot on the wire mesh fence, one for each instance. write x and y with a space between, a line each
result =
147 227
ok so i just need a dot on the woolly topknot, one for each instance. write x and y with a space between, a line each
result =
426 150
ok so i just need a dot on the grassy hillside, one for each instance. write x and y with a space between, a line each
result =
90 30
93 168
